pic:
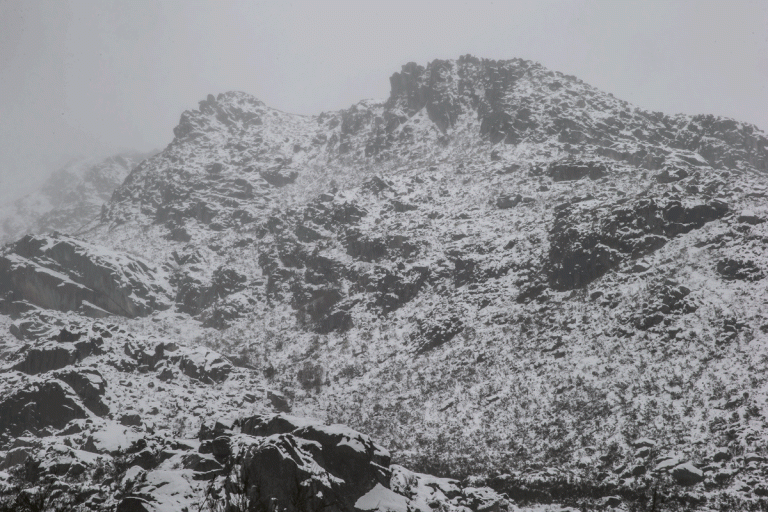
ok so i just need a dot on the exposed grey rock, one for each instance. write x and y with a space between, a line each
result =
90 386
739 270
204 365
505 202
278 401
279 178
579 256
750 218
37 406
687 474
53 355
568 171
59 272
131 419
671 175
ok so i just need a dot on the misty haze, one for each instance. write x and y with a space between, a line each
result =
396 257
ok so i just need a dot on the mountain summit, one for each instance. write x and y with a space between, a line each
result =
508 278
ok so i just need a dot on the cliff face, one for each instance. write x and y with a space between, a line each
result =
499 272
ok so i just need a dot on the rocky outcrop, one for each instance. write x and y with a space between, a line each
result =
199 363
37 406
89 384
66 349
279 177
204 365
396 266
436 332
582 250
62 273
574 170
739 270
313 465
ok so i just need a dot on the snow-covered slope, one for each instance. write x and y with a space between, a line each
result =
501 273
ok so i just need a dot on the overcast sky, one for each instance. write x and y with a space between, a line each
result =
99 76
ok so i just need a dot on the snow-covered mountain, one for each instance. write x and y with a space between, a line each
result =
501 274
69 199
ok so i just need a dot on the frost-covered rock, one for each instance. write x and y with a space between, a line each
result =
66 274
687 474
38 406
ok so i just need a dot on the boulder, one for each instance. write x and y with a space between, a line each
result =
89 385
204 365
278 401
504 202
279 177
721 455
313 467
130 419
54 355
687 474
671 175
38 405
348 455
750 218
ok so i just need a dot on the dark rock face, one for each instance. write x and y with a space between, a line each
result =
206 366
739 270
568 171
38 406
63 351
201 364
193 296
62 273
505 202
436 332
365 248
580 254
318 285
279 177
89 385
389 289
297 460
687 474
134 504
671 175
279 401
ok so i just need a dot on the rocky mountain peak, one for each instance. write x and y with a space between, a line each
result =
508 278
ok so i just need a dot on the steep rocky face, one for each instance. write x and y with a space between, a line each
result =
65 274
501 273
37 406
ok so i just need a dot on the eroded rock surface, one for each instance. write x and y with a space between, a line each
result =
62 273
